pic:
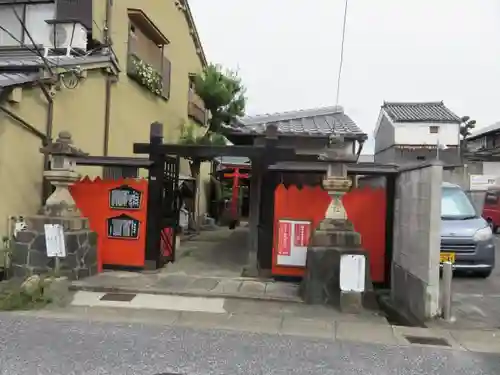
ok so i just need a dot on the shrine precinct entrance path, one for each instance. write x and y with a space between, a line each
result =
207 265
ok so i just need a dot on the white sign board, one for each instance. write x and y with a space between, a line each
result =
479 182
293 240
54 238
352 273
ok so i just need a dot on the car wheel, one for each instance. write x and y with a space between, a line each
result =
483 274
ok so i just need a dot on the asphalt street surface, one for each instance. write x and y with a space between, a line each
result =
476 301
43 346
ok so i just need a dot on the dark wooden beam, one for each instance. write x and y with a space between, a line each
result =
210 152
113 161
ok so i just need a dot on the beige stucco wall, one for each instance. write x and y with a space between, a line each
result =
130 126
127 124
81 110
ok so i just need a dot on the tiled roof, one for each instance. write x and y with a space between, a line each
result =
33 61
12 79
19 66
485 130
420 112
319 121
232 160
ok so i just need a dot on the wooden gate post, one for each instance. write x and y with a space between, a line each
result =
155 198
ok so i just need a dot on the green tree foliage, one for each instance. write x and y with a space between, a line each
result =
223 95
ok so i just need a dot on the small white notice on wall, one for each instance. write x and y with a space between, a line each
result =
352 273
293 240
54 238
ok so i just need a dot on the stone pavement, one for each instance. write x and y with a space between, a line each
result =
221 252
209 265
189 285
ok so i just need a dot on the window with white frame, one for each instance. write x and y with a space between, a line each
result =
34 17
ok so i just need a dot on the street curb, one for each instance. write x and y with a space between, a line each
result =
156 291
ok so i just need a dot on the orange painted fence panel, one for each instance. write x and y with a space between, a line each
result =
365 207
117 211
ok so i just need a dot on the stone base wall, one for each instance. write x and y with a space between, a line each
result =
30 254
410 285
321 282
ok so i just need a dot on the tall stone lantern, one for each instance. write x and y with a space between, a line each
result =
336 265
61 175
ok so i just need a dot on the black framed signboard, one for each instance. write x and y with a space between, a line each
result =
123 227
125 198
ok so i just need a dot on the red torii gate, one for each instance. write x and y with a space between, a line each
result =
236 175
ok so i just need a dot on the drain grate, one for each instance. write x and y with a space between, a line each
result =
421 340
118 297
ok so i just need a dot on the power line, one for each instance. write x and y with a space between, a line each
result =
21 43
341 53
25 29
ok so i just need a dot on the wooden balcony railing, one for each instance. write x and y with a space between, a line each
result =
196 108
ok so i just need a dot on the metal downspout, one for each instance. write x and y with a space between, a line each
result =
49 126
107 104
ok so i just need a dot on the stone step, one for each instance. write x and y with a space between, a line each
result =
335 224
340 238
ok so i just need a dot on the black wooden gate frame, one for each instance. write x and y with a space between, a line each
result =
161 202
170 209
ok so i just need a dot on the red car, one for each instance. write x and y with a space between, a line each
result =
491 208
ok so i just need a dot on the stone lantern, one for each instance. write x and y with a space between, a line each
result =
61 175
330 277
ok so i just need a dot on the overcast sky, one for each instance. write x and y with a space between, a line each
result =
287 53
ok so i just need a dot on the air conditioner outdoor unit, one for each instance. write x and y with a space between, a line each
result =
68 36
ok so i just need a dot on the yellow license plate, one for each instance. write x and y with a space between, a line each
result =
447 257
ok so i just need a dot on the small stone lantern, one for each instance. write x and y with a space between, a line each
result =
61 175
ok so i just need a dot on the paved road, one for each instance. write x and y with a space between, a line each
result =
42 346
476 302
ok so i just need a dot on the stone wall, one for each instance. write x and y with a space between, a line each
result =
30 255
417 223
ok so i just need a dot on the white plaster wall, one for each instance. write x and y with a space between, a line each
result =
418 134
491 168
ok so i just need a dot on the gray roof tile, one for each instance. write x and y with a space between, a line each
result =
319 121
232 160
13 61
420 112
485 130
12 79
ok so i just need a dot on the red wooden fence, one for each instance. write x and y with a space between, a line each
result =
92 199
365 207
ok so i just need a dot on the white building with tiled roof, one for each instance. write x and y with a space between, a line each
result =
417 131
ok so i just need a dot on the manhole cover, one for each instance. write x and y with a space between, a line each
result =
438 341
119 297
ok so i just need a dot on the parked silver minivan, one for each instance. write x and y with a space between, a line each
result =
466 238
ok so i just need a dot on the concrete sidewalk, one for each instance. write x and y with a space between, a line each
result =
189 285
297 320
